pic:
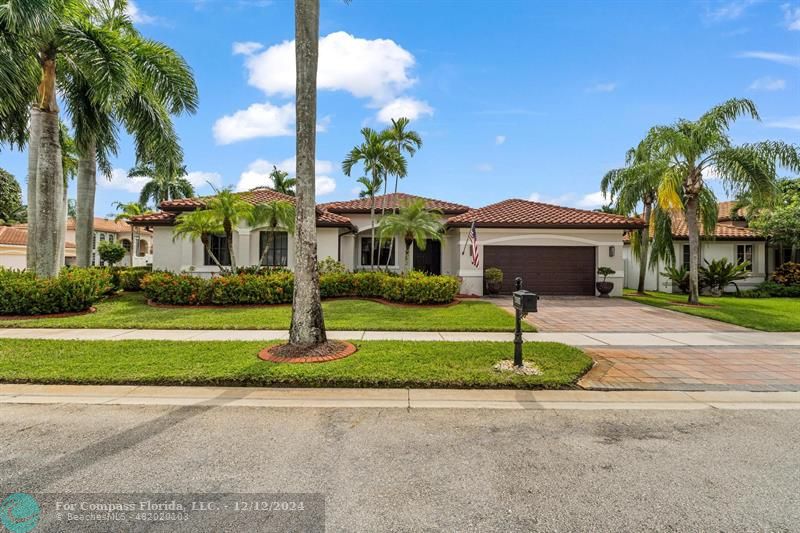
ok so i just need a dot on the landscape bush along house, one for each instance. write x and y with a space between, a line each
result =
556 250
73 290
277 288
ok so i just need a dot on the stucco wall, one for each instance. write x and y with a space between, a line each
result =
601 240
13 257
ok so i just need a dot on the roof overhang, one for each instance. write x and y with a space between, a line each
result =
508 225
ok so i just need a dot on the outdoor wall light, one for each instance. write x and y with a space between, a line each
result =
611 251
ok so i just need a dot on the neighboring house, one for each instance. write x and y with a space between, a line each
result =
108 230
732 240
556 250
13 244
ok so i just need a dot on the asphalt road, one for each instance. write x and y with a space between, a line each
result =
456 470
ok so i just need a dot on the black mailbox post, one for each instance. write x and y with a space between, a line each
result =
524 302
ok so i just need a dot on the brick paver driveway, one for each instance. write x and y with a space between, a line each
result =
609 315
758 368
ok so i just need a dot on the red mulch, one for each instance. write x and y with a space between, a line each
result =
319 353
53 315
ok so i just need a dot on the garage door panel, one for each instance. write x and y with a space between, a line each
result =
566 270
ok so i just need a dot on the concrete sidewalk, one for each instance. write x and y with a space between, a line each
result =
393 398
738 338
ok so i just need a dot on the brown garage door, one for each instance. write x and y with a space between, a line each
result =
567 270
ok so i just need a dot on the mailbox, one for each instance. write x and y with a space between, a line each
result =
525 301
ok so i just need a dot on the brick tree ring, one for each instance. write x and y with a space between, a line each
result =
330 351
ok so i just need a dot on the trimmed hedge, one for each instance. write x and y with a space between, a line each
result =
73 290
788 274
277 288
770 289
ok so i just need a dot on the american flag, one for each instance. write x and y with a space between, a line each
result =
473 241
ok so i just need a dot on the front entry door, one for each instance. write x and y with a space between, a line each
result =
430 259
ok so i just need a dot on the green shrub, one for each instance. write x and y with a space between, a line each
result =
278 287
787 274
111 252
770 289
329 265
74 289
720 273
130 279
493 274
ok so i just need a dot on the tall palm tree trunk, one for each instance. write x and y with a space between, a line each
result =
394 210
694 249
33 163
308 323
61 220
49 198
84 219
644 245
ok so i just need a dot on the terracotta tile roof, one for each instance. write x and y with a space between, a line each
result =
721 231
725 212
171 208
393 201
18 236
516 213
104 224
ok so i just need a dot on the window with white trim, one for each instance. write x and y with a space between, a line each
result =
744 252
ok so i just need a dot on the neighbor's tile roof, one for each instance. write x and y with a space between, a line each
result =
392 201
104 224
721 231
725 212
523 213
255 196
18 236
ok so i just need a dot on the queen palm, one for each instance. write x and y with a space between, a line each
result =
272 215
167 182
281 181
60 37
160 84
694 148
379 159
413 223
199 225
228 209
126 212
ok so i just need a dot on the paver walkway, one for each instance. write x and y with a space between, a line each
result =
759 368
584 314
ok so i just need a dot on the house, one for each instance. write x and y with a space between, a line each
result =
13 247
556 250
109 230
732 240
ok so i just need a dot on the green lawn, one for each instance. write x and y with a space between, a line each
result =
131 311
376 364
767 314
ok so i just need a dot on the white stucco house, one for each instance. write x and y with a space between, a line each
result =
732 240
108 230
556 250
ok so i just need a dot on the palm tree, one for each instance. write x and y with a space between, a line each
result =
167 182
692 148
308 323
272 215
413 223
199 225
379 159
160 84
637 183
46 33
408 141
126 212
281 181
228 209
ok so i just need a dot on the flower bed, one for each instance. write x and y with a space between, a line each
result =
73 290
277 288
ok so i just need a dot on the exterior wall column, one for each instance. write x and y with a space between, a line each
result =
243 248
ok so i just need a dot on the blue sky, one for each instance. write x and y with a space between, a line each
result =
513 99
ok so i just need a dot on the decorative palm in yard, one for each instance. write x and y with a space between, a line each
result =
693 150
126 212
229 208
199 225
275 214
413 223
281 181
167 182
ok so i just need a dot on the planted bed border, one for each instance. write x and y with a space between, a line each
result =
348 349
49 315
456 301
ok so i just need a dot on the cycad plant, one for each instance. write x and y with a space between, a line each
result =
412 223
719 273
694 149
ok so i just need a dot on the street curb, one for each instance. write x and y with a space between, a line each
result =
395 398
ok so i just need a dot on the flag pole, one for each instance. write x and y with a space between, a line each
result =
467 241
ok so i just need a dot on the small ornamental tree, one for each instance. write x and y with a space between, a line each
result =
111 252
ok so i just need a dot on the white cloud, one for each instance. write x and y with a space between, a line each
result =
378 69
121 182
792 16
200 179
792 123
591 201
783 59
500 139
607 87
731 10
258 120
322 125
257 174
246 48
138 16
768 84
484 167
409 108
570 199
